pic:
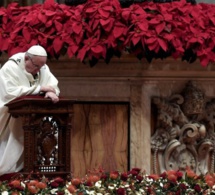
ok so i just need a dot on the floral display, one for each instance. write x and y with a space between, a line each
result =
101 29
99 182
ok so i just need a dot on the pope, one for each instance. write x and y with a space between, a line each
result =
23 74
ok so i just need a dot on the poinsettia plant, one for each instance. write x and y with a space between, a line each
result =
101 29
99 182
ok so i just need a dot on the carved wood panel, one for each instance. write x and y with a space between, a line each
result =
99 138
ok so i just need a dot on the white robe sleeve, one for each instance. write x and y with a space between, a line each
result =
14 82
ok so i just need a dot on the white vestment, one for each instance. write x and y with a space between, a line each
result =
15 82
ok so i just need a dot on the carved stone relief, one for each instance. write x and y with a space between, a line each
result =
184 132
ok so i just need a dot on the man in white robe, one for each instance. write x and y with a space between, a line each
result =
23 74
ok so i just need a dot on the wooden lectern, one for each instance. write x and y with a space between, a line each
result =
47 129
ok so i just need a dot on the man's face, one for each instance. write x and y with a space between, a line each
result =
34 64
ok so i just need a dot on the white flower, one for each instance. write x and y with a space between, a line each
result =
23 185
141 190
139 193
67 192
149 179
91 192
111 187
4 193
68 184
98 184
53 191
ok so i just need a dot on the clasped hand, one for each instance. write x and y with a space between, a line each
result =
49 93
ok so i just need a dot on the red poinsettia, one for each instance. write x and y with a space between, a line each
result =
4 30
91 30
92 48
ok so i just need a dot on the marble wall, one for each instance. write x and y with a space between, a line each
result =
129 80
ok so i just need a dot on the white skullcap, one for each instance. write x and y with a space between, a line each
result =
37 50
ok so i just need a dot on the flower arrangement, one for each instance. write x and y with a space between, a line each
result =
99 182
101 29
